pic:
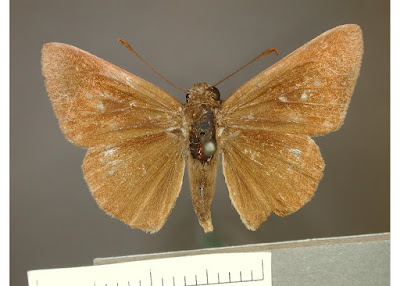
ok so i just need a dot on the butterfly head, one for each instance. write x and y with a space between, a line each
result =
202 93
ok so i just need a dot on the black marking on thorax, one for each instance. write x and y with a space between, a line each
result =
202 142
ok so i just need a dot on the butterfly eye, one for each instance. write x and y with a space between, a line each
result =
187 97
215 91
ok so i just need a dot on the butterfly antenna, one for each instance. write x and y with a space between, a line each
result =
125 43
253 60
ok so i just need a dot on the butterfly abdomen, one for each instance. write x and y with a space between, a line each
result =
202 156
202 160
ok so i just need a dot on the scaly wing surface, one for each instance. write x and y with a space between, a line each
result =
134 165
138 181
270 162
97 102
270 172
307 92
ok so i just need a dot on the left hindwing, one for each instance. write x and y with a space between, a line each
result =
270 172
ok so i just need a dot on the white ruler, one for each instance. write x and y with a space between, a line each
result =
253 268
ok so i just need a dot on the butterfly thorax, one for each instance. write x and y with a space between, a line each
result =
202 105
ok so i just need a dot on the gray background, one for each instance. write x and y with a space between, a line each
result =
54 220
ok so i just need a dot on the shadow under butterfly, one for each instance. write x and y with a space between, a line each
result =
139 137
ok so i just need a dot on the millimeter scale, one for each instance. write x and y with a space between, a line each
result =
197 270
349 260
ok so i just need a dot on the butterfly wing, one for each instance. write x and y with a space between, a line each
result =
134 165
307 92
268 171
270 163
137 181
97 102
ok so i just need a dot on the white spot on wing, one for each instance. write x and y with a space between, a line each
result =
109 152
253 158
296 119
104 95
250 116
283 99
234 134
100 106
327 124
219 131
296 152
144 169
304 96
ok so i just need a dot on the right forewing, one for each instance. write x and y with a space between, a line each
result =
98 103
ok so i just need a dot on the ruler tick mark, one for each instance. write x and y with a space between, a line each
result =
151 279
207 276
262 268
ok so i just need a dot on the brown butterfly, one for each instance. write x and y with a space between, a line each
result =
139 136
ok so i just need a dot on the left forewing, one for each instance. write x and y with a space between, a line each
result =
307 92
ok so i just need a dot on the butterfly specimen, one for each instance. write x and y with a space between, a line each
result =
139 136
